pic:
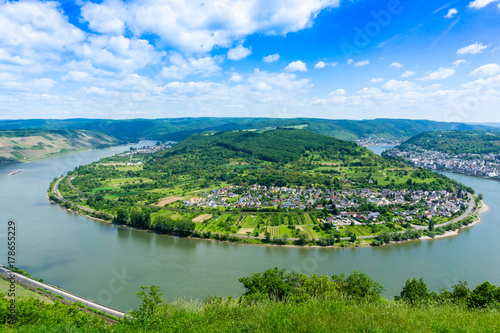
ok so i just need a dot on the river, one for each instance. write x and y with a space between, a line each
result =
109 264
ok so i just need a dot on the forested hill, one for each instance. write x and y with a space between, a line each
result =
26 145
457 142
280 145
178 129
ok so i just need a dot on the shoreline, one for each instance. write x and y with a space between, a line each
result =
483 208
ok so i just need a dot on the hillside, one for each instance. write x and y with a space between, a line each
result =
27 145
282 145
457 142
178 129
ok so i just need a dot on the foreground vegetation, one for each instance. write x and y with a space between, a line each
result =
283 186
276 301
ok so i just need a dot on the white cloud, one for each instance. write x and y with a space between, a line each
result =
451 13
486 70
394 85
118 52
441 74
362 63
181 67
350 61
77 76
322 64
459 62
271 57
396 65
238 53
263 81
377 80
408 74
99 91
192 27
472 49
296 66
478 4
340 92
235 77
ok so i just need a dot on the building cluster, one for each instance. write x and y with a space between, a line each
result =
146 149
487 166
342 206
376 141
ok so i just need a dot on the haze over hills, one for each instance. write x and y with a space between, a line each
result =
177 129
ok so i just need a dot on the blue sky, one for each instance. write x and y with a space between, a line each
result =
288 58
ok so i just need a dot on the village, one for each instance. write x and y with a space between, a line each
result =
147 149
339 207
486 166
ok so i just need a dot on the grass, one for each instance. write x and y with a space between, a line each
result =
325 314
22 292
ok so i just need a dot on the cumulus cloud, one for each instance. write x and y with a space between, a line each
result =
377 80
272 58
486 70
322 64
235 77
238 53
261 80
296 66
472 49
441 74
394 85
362 63
396 65
478 4
181 67
408 74
192 27
451 13
459 62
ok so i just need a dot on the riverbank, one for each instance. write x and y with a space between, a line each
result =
360 242
484 208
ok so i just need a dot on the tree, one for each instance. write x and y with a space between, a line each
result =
358 286
414 291
121 216
303 238
484 295
353 238
480 196
151 300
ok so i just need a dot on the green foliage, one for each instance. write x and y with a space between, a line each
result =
414 291
358 286
457 142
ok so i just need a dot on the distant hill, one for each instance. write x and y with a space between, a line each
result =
26 145
178 129
457 142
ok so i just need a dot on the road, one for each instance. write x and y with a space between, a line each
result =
66 295
468 211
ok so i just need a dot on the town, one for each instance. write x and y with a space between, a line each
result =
486 166
358 206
